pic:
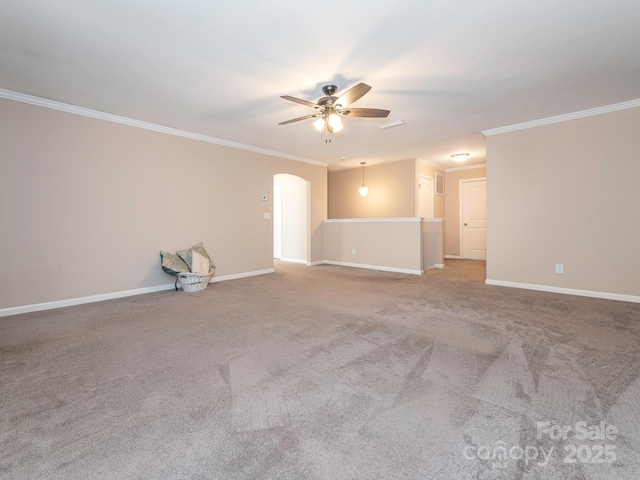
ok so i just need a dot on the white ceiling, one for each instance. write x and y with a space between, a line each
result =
449 69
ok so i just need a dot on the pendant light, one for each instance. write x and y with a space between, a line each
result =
363 189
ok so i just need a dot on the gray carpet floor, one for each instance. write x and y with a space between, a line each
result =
325 373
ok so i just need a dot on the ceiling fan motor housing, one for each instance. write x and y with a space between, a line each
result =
329 89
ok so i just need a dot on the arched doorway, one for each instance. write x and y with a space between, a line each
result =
291 207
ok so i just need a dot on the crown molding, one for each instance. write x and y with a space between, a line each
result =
109 117
563 118
466 167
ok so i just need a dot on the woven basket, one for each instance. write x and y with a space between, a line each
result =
193 282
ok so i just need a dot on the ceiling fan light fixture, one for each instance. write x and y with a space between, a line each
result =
335 122
319 124
460 157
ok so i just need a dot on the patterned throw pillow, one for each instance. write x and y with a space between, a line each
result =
173 264
199 263
186 255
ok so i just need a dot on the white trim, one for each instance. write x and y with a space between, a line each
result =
293 260
37 307
466 167
376 220
109 117
563 118
432 220
374 267
566 291
454 257
437 265
236 276
316 263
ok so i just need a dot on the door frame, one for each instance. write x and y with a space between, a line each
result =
460 217
277 216
431 202
307 200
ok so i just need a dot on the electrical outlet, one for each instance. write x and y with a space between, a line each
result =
559 268
353 251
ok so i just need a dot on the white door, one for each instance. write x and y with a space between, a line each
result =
473 215
425 197
277 220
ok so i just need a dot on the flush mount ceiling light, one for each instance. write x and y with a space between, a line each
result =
460 157
396 123
363 189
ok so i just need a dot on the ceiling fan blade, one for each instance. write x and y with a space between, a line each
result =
300 101
366 112
353 94
296 119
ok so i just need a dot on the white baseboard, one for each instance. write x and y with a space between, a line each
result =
236 276
37 307
294 260
454 257
435 265
316 263
374 267
567 291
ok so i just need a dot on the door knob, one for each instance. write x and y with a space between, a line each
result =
465 224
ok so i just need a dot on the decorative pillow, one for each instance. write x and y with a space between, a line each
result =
172 264
187 254
199 263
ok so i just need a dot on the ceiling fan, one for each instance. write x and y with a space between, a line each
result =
330 108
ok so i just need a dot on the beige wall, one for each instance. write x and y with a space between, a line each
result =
452 206
393 244
567 193
86 205
432 243
392 191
